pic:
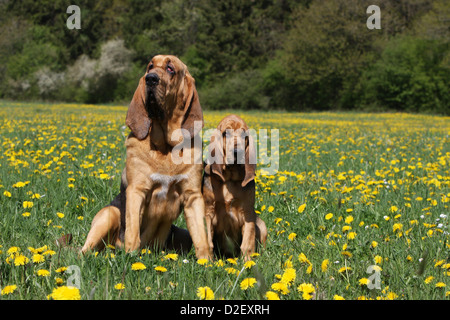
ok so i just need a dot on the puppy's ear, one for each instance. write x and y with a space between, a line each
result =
216 153
137 116
250 161
192 109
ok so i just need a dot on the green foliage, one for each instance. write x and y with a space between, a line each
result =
409 76
242 91
294 55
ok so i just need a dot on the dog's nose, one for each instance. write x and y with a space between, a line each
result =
152 79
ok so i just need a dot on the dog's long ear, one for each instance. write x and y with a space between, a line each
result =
216 153
250 161
137 117
192 109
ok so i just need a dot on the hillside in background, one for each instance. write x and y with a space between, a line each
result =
267 54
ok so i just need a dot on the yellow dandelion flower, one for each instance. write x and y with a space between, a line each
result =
171 256
8 289
138 266
351 235
160 269
7 194
328 216
27 204
231 270
338 297
324 265
247 283
38 258
288 276
346 228
270 209
397 227
302 258
374 244
440 285
12 250
391 296
205 293
428 279
21 260
43 273
232 260
249 264
363 281
219 263
19 184
301 208
292 236
307 289
439 263
378 259
347 253
119 286
202 261
49 253
344 269
65 293
270 295
280 287
348 219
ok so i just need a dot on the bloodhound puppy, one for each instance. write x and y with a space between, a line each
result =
229 191
155 189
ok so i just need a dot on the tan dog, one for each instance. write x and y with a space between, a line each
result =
154 189
229 191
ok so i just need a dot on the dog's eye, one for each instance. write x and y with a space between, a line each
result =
150 67
170 69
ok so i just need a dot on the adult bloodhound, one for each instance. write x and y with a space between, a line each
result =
154 189
229 191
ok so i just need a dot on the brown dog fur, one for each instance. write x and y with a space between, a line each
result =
229 192
154 189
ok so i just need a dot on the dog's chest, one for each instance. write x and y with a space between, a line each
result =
163 185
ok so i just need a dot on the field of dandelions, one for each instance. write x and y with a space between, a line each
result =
358 209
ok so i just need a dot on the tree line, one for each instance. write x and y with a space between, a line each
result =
266 54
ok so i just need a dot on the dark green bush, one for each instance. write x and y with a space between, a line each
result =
409 76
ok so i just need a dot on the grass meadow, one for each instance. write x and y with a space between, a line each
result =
355 192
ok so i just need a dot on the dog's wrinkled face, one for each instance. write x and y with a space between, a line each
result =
166 93
233 143
163 79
